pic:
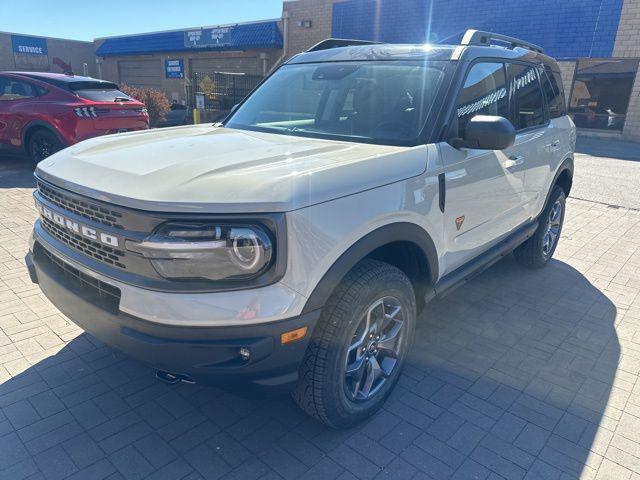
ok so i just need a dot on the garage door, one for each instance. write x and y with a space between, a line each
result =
231 65
140 73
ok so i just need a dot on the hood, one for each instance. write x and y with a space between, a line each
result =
203 168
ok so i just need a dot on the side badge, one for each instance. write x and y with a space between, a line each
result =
459 222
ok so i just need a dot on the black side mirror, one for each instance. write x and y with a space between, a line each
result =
486 132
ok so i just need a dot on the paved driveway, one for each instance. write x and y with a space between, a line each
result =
519 374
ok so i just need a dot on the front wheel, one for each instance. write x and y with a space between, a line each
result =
538 250
359 345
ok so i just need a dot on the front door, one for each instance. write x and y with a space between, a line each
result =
484 188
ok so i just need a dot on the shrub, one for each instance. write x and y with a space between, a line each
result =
156 102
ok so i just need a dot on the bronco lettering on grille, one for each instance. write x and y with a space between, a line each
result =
76 227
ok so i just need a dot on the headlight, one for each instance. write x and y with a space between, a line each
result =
207 251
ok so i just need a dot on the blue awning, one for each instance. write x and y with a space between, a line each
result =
247 36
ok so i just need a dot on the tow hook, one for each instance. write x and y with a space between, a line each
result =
172 378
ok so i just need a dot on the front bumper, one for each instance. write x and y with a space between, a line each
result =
203 354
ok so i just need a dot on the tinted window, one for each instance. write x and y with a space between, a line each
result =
555 100
373 101
526 96
484 93
99 91
15 90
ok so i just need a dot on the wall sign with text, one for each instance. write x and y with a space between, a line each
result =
30 52
174 68
208 37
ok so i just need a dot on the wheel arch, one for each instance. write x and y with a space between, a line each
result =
36 125
404 245
563 177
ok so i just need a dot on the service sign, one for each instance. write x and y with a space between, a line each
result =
174 68
30 52
29 45
208 37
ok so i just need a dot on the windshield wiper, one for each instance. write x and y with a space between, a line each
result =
122 99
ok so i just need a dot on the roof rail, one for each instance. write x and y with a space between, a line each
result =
478 37
339 42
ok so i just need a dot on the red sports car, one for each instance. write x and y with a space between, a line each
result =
45 112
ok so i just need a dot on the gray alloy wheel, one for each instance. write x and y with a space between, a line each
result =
552 232
538 250
359 345
375 348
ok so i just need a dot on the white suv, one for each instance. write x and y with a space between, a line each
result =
296 243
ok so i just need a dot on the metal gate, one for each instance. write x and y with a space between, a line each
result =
219 91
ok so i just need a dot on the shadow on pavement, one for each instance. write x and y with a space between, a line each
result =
16 171
510 374
608 148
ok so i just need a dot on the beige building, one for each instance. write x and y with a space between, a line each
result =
596 42
46 54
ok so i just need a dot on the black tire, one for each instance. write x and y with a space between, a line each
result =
42 143
323 389
534 253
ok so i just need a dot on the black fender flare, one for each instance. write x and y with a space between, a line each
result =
566 165
394 232
40 124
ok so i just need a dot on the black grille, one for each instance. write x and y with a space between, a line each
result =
90 211
98 293
104 253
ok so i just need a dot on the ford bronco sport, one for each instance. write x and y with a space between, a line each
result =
296 243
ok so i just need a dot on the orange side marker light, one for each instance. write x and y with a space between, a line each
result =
293 335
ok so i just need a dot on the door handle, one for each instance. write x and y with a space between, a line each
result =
513 161
553 146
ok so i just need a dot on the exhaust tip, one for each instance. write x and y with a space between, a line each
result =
172 378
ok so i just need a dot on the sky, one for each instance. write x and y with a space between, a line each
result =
89 19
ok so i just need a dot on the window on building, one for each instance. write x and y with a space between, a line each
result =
484 93
601 92
526 96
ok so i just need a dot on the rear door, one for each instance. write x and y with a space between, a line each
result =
535 137
484 190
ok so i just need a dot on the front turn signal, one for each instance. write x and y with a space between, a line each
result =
293 335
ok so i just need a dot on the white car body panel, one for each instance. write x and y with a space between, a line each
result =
212 169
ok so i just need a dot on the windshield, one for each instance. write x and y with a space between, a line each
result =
375 102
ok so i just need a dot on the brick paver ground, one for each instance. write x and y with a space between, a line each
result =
519 374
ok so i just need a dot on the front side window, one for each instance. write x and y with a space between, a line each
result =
526 96
385 102
484 93
601 92
15 90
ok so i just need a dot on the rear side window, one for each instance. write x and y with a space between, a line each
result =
553 92
484 93
526 96
15 90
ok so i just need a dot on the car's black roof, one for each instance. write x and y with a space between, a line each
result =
386 51
57 77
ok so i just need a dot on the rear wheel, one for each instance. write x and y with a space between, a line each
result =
538 250
42 143
359 346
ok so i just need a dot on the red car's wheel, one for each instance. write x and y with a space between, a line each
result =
42 144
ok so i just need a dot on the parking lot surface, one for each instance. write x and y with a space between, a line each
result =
518 374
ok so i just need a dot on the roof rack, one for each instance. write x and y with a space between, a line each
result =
339 42
478 37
